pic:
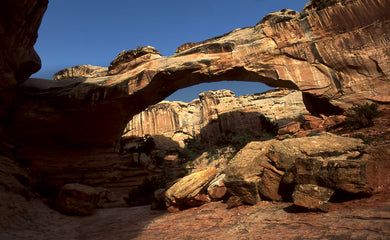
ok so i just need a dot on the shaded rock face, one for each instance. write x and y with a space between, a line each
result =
337 52
19 25
215 112
19 22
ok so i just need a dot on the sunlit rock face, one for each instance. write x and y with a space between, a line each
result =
214 113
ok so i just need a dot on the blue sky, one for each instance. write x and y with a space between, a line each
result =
75 32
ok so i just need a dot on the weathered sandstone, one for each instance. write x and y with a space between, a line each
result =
189 191
336 52
214 113
81 71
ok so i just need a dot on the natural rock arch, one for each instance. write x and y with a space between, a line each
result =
336 51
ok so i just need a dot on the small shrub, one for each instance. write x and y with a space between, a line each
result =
365 139
269 126
313 134
240 141
362 116
192 150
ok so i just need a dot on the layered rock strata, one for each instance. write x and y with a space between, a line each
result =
215 112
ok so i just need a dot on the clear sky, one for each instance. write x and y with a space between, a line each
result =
76 32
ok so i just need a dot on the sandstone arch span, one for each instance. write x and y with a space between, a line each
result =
335 50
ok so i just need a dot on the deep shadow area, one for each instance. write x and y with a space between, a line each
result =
317 106
297 209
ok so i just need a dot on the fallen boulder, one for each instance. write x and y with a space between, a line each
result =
190 190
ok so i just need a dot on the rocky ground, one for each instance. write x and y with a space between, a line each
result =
366 218
355 219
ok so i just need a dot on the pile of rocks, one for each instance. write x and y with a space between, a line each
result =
307 171
309 124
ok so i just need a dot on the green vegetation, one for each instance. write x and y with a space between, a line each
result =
143 194
365 139
362 116
194 148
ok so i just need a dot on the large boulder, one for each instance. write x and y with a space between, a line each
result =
191 190
343 173
274 165
79 199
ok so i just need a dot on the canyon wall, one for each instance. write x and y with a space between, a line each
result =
215 112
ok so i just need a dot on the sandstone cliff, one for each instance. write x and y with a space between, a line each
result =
215 112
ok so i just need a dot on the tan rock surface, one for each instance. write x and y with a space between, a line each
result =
81 71
190 189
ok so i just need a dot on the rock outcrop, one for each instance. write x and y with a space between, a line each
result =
214 113
19 23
